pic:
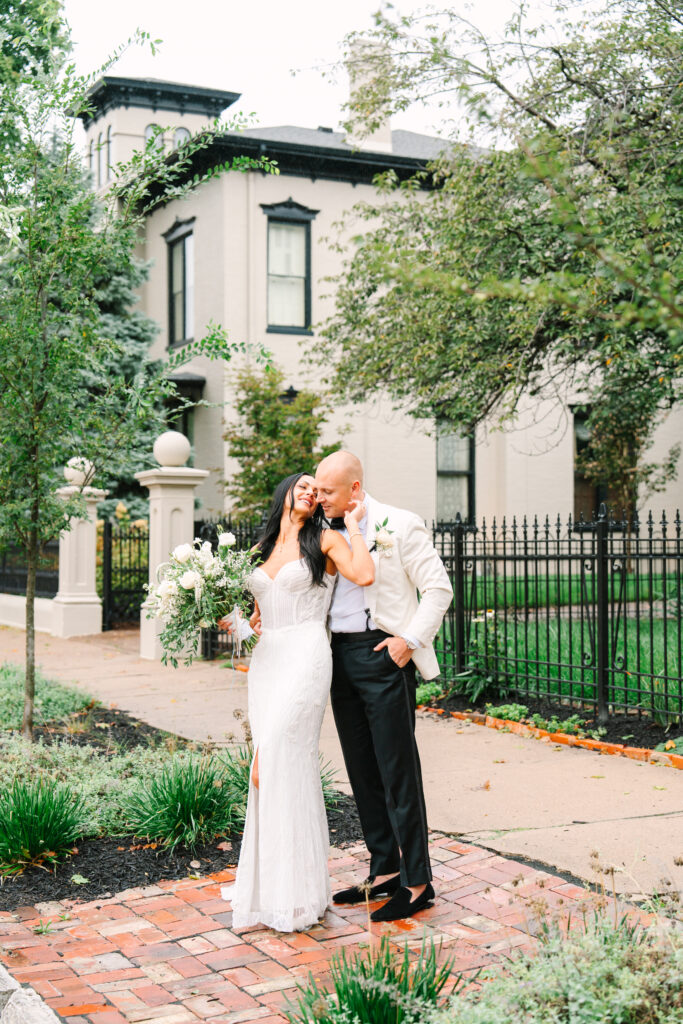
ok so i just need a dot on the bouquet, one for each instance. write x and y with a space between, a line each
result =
196 588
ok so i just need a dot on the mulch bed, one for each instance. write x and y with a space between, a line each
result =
111 865
105 728
621 728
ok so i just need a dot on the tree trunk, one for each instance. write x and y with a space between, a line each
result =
30 683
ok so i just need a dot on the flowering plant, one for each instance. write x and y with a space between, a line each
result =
196 588
384 542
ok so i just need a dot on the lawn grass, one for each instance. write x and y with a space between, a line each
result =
555 656
545 588
53 701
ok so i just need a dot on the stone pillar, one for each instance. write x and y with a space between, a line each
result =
171 518
77 608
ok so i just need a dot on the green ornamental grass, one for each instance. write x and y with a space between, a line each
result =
375 987
188 803
39 823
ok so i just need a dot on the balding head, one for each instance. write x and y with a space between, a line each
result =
339 479
344 465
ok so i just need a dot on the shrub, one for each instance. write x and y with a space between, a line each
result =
189 802
601 974
374 988
39 824
428 691
510 712
52 702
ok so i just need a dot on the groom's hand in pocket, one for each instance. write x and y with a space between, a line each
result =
399 652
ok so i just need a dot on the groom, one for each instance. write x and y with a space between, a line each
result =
380 634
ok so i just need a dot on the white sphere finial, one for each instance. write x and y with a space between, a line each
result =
78 471
172 449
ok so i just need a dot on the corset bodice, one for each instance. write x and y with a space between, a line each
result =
291 598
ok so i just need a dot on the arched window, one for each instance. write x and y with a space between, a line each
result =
108 153
180 135
154 137
100 161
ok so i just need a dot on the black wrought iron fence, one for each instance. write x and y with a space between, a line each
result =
122 571
584 613
214 641
13 570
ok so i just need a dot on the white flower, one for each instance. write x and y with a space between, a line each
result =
183 553
384 539
190 580
226 540
167 588
205 554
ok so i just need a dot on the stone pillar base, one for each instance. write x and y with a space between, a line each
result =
150 648
76 616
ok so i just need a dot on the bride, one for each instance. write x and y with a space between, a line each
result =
282 878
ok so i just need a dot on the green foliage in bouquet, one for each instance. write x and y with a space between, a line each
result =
197 587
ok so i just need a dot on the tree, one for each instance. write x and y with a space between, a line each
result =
65 388
275 434
549 263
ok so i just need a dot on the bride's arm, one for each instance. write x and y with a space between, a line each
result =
355 562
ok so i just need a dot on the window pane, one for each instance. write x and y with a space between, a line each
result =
453 453
178 326
189 286
287 249
287 301
100 160
451 497
181 135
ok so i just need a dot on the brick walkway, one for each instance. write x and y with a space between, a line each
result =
166 954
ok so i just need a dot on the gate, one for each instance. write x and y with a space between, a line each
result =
124 572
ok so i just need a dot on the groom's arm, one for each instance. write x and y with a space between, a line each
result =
425 570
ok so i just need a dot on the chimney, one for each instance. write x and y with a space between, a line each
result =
368 60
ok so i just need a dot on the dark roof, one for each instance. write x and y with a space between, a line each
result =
155 94
408 144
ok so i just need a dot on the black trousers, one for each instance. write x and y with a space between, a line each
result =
373 701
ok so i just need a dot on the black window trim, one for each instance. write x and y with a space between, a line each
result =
178 232
291 212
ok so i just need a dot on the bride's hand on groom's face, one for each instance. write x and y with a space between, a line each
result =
353 515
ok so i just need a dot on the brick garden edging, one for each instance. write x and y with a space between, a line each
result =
599 746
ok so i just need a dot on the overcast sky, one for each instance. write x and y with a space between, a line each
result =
252 47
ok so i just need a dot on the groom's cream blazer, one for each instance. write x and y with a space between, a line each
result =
410 565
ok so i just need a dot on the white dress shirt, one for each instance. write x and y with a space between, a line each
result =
348 611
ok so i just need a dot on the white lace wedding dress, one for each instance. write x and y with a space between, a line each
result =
282 878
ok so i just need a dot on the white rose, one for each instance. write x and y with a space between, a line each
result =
190 580
183 553
227 540
384 538
167 588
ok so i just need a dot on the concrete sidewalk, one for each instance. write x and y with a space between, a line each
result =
514 795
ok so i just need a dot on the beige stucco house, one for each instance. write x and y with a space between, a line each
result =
251 251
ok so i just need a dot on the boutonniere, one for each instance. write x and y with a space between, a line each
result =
384 542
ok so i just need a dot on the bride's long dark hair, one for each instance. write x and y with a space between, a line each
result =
309 535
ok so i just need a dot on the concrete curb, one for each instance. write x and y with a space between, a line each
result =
20 1005
658 757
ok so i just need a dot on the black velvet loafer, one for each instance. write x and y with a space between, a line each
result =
403 905
356 895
